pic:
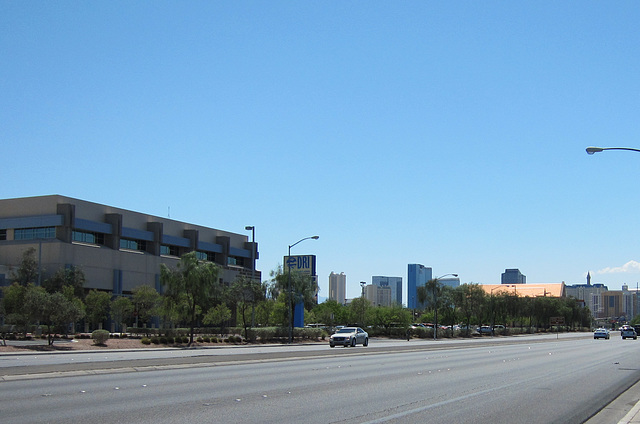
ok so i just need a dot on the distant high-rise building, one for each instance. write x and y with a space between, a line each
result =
590 294
513 276
338 287
394 283
378 295
418 275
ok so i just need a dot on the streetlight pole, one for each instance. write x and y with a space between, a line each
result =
435 301
592 150
253 269
289 265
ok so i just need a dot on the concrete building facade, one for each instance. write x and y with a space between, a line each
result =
394 284
377 295
117 249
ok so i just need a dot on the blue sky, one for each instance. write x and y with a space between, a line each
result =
450 134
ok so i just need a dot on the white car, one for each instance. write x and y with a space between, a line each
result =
601 333
349 337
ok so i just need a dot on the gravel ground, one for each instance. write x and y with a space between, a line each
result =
82 344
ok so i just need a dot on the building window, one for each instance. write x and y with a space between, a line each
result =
3 234
86 237
34 233
232 260
129 244
206 256
169 250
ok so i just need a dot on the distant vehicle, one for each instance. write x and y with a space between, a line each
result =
628 332
349 337
601 333
485 329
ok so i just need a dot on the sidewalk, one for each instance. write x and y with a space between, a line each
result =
625 409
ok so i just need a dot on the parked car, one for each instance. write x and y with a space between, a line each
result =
601 333
485 329
349 336
628 332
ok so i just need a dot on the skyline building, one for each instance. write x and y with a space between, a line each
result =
417 275
591 294
513 276
394 284
378 295
338 287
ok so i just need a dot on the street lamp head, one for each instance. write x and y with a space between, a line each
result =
592 150
249 227
315 237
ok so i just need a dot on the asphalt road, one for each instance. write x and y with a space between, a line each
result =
537 379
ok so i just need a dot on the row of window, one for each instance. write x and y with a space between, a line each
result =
129 244
85 237
98 239
34 233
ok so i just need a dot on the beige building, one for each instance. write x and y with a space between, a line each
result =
117 249
378 296
338 287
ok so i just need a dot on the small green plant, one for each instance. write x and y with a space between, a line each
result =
206 339
146 340
155 340
100 337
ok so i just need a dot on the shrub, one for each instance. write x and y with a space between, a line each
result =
146 340
100 337
185 339
155 340
164 340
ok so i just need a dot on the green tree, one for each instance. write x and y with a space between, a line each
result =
72 276
217 315
329 312
247 293
55 310
27 271
146 301
197 280
121 310
13 303
97 304
359 310
293 288
469 299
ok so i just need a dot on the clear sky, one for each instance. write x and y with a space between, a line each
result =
450 134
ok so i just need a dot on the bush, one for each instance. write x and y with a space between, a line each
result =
155 340
206 339
146 340
100 337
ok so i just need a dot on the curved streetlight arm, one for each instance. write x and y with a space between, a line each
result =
300 241
592 150
446 275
